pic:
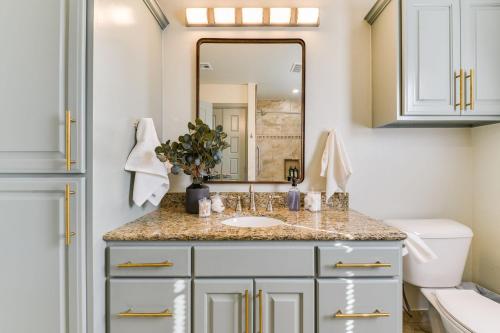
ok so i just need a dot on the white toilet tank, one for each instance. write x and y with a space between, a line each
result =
449 240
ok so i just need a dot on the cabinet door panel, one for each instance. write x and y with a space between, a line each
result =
43 277
481 53
287 305
431 55
359 296
220 306
41 76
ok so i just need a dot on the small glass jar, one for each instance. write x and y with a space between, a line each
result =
205 207
312 201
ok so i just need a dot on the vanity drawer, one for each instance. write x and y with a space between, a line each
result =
253 261
348 261
165 261
359 305
148 305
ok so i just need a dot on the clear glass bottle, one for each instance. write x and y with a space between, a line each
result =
294 197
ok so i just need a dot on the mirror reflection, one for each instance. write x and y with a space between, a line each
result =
254 89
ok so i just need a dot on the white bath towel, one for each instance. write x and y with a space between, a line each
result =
151 175
417 249
335 164
415 246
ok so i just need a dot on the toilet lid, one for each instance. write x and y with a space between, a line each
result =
473 311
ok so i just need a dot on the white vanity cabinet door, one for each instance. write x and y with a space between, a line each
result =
42 278
42 69
284 305
481 53
223 306
358 297
431 54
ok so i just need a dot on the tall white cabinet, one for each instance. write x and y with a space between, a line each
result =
435 62
42 66
42 166
43 281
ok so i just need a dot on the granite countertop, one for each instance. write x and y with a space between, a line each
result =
174 224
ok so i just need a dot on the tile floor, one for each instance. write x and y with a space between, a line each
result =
411 324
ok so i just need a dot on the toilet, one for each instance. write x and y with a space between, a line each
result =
451 310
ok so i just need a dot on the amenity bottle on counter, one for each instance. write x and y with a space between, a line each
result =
294 197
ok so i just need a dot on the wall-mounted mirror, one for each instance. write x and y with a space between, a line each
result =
255 89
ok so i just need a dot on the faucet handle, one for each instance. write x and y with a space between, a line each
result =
238 205
270 204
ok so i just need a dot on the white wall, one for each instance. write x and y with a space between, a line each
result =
127 80
397 172
486 257
224 93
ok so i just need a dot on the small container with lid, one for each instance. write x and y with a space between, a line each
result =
205 207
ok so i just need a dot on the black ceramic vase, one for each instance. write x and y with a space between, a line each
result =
194 193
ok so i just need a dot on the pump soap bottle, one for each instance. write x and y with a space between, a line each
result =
294 197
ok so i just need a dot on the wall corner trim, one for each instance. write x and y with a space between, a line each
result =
157 12
376 10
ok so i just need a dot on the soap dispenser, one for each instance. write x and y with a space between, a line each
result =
294 197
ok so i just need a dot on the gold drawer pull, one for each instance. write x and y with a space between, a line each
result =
130 264
471 89
377 264
247 312
68 123
130 314
374 314
67 212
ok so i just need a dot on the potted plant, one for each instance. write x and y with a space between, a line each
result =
195 153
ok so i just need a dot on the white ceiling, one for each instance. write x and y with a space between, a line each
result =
267 65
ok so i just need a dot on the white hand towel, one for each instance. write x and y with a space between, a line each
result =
151 175
417 249
335 164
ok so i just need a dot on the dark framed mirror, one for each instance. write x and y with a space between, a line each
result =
255 89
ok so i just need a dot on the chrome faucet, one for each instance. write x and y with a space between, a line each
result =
252 199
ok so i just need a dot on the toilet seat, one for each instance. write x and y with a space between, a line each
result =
468 310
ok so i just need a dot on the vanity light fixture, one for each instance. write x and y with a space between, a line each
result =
295 91
197 16
252 16
307 16
255 17
225 16
280 16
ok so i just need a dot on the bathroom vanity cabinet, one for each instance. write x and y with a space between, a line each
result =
254 286
435 62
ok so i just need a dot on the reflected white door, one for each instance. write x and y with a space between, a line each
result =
233 120
207 113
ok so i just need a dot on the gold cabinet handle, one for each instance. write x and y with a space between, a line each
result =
376 264
68 123
261 328
374 314
470 76
461 78
247 312
67 213
130 264
130 314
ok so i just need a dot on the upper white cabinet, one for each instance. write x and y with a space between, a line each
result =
481 55
42 68
435 62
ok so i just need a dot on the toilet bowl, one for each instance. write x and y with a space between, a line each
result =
461 311
449 308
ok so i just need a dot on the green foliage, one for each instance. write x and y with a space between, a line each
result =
195 152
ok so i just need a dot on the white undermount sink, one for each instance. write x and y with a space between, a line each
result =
252 222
